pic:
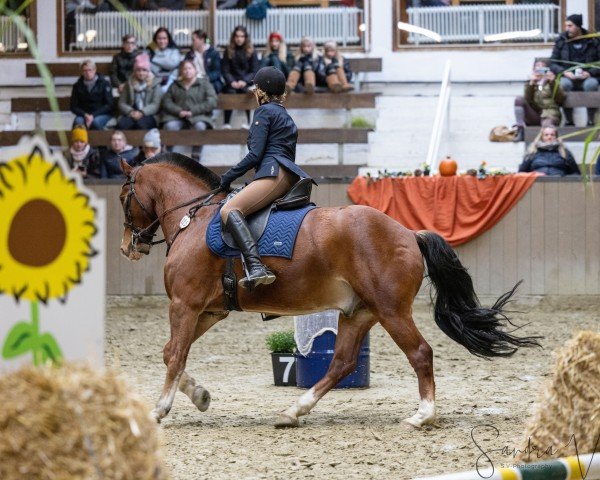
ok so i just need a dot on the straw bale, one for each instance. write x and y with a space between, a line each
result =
73 422
567 414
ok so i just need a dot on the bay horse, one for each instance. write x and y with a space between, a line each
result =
354 259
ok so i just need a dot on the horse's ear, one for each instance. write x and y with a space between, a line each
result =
125 167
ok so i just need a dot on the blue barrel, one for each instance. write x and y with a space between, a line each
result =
312 368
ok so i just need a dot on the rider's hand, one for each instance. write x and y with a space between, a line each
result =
225 185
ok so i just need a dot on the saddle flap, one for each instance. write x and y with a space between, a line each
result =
298 196
257 223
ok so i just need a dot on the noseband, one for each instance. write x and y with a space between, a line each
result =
142 238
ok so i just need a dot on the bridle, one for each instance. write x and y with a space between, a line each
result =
142 239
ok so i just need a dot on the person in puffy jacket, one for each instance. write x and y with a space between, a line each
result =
122 62
81 156
140 100
337 69
110 159
206 59
308 62
189 103
91 98
549 156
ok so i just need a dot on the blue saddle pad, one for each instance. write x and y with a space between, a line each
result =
278 240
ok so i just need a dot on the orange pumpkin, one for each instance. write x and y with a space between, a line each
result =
448 167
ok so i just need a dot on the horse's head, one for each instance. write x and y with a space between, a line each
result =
141 222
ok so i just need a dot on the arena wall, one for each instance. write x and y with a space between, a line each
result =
550 240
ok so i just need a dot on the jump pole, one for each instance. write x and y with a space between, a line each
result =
560 469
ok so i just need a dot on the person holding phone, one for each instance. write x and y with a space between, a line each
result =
541 100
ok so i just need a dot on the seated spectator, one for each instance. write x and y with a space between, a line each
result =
206 59
163 5
164 56
122 62
151 146
91 98
549 156
303 72
239 66
140 100
81 157
569 49
110 159
540 103
277 55
189 103
337 69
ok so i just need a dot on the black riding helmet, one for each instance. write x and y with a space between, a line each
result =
270 80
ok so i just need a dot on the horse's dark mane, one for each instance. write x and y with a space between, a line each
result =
200 171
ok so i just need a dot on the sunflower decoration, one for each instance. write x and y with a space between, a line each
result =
46 230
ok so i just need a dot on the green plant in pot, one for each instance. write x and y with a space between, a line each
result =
283 357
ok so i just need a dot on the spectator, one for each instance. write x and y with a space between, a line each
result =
337 69
122 62
91 98
159 5
305 67
151 146
164 56
277 55
189 103
110 159
81 157
540 103
239 66
140 100
549 156
206 59
568 48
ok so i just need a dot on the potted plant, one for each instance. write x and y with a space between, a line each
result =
283 346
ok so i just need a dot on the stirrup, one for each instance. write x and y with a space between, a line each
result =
250 282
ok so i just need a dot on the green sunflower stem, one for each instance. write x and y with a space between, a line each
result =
35 333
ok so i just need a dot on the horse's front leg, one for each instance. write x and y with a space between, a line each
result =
184 322
196 392
350 335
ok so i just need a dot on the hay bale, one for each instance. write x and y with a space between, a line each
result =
75 422
569 403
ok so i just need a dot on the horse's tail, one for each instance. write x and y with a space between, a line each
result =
458 312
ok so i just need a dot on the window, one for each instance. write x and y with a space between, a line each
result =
476 21
12 40
87 27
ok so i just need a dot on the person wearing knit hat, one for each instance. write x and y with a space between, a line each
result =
82 158
277 55
151 146
139 102
571 56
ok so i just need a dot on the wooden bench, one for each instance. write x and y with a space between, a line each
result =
357 65
97 138
226 101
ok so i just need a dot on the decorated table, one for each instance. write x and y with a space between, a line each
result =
458 207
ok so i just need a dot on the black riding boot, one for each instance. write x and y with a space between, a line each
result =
568 117
258 274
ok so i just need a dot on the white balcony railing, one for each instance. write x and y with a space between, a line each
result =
104 30
10 37
467 24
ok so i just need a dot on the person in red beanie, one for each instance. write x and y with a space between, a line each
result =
277 55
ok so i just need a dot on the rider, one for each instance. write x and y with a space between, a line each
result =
271 152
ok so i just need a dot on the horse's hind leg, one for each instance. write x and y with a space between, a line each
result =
404 332
351 333
186 327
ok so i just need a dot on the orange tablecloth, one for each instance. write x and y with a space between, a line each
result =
459 208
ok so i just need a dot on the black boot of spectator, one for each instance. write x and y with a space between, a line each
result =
591 114
568 117
520 136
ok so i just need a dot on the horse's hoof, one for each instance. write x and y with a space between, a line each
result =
156 415
286 421
201 398
411 424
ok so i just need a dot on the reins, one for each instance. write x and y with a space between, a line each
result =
145 234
